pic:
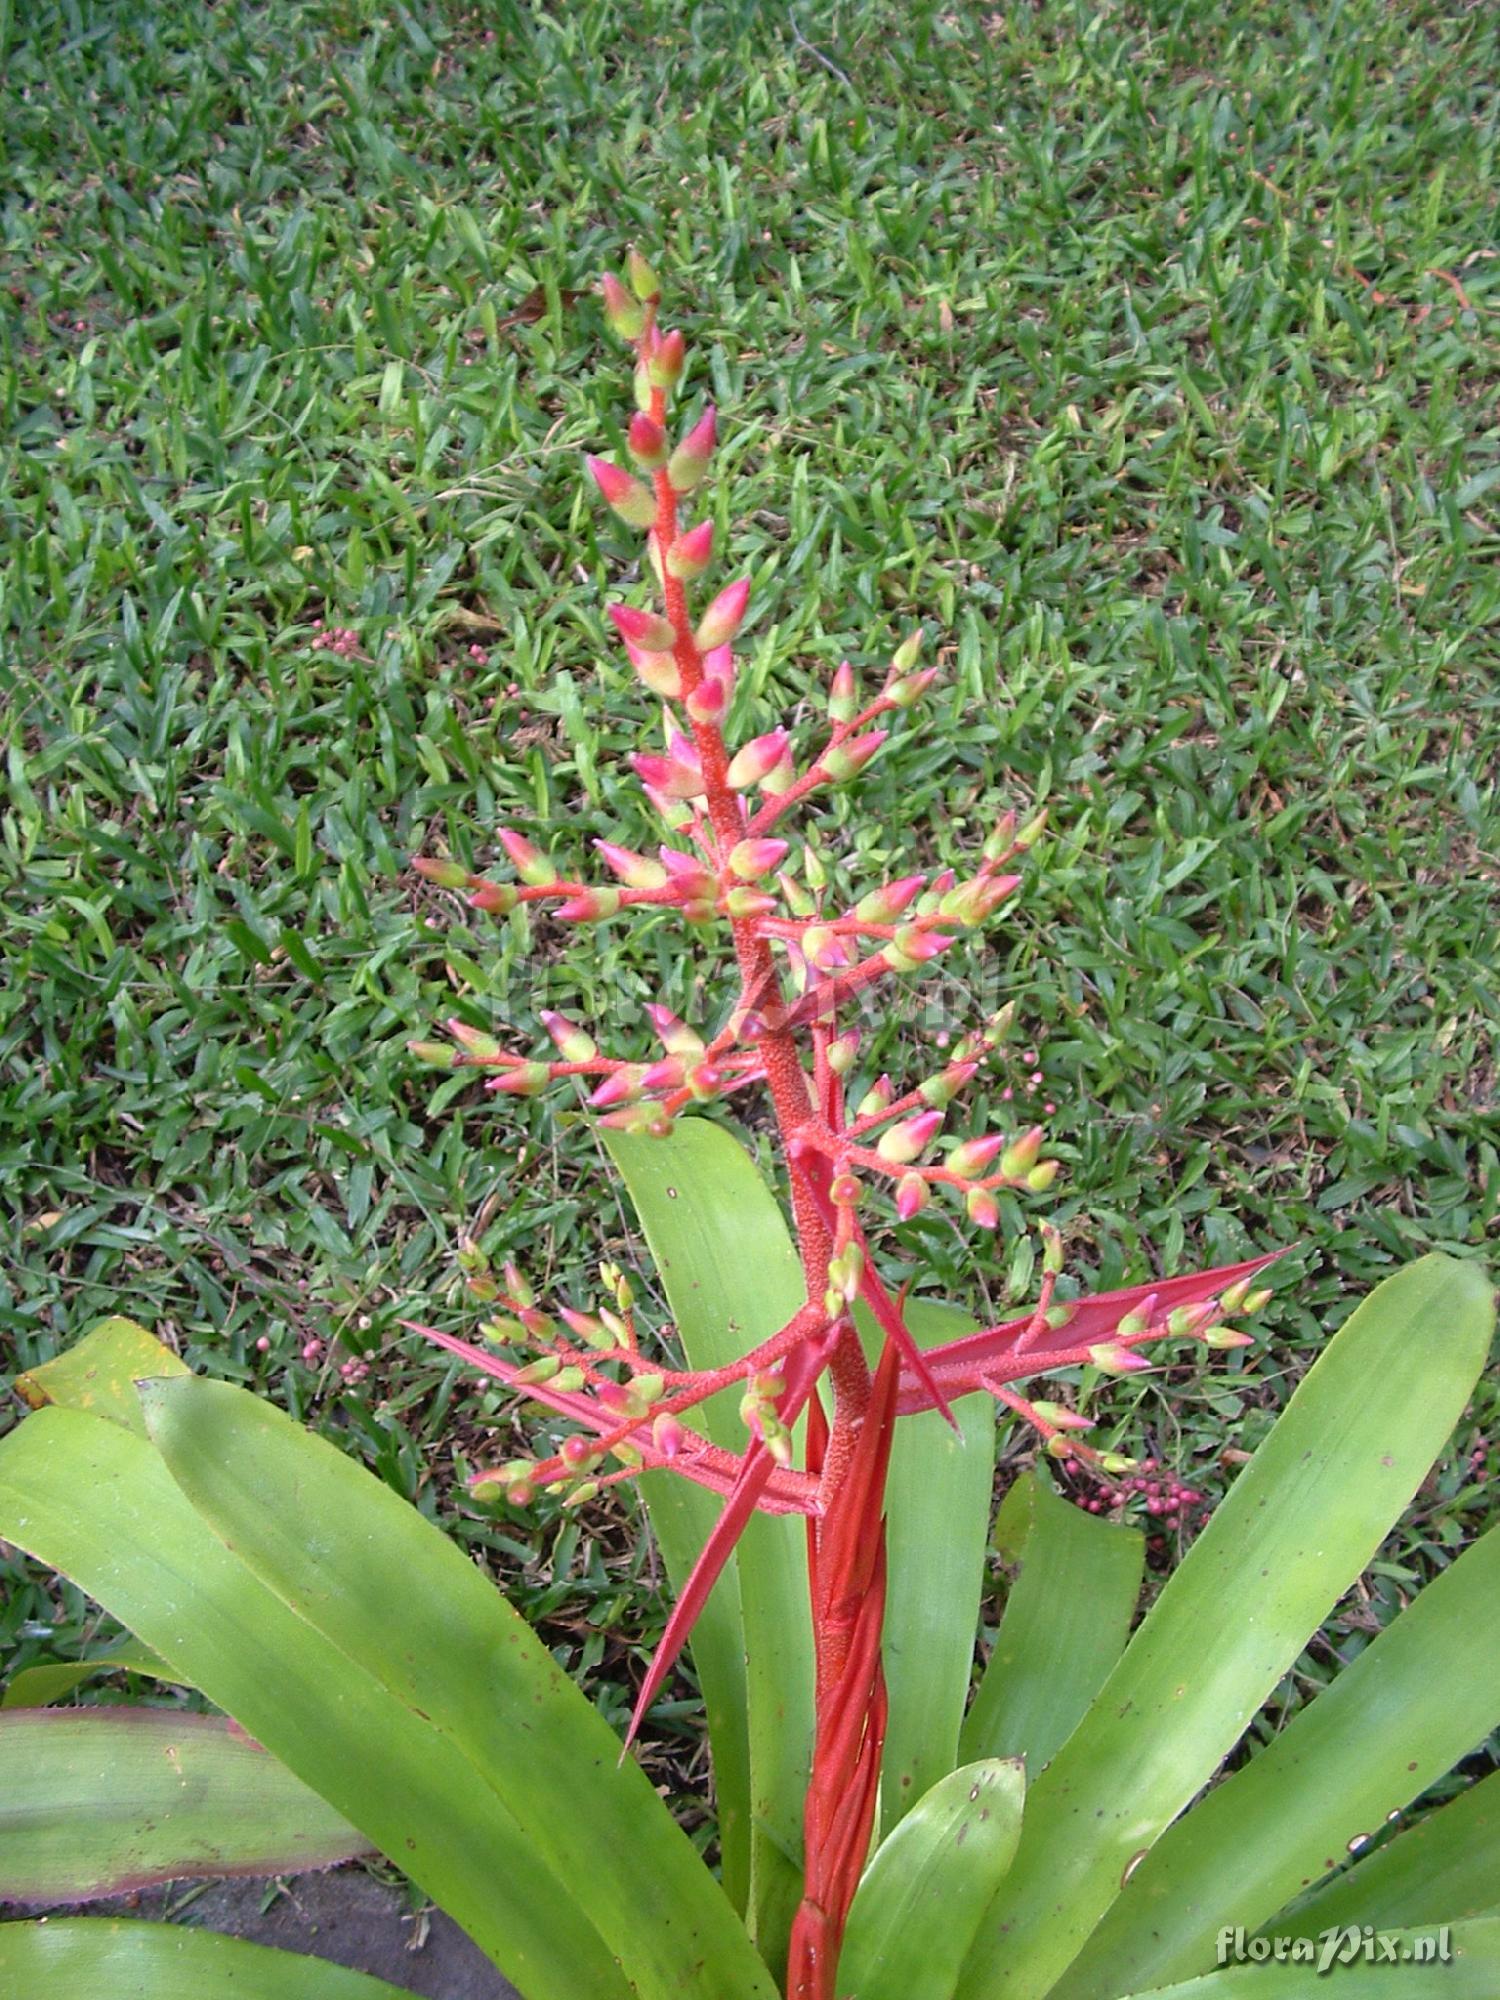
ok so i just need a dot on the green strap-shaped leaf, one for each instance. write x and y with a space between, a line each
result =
97 1801
50 1680
1472 1971
98 1504
99 1373
1067 1617
402 1603
94 1958
730 1272
1296 1529
1414 1702
938 1497
1445 1867
923 1894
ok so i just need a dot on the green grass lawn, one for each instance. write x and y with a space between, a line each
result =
1146 353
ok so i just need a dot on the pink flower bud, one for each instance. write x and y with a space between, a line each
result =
1018 1159
687 465
1001 840
647 630
885 904
723 617
719 662
675 1036
630 500
907 693
689 876
573 1045
843 696
664 360
984 1210
911 1196
672 777
589 907
708 701
621 1086
625 315
753 858
797 899
1062 1418
525 1080
1112 1359
500 898
529 862
1185 1320
647 441
637 1119
1225 1337
667 1435
643 280
754 761
842 1051
534 1371
876 1098
906 1141
437 1055
944 1087
690 555
663 1076
442 874
847 760
974 1155
657 671
911 948
636 871
905 656
824 948
746 902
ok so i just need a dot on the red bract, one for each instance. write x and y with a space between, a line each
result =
800 958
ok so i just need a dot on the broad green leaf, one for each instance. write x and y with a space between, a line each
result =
1066 1619
97 1958
97 1801
50 1680
99 1374
404 1606
938 1496
1413 1703
730 1271
1473 1974
922 1896
1446 1866
1298 1526
99 1505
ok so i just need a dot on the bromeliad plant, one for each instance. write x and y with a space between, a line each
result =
817 1456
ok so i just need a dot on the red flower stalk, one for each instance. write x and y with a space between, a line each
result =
799 959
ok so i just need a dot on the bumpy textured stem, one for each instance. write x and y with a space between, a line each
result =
847 1570
847 1545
